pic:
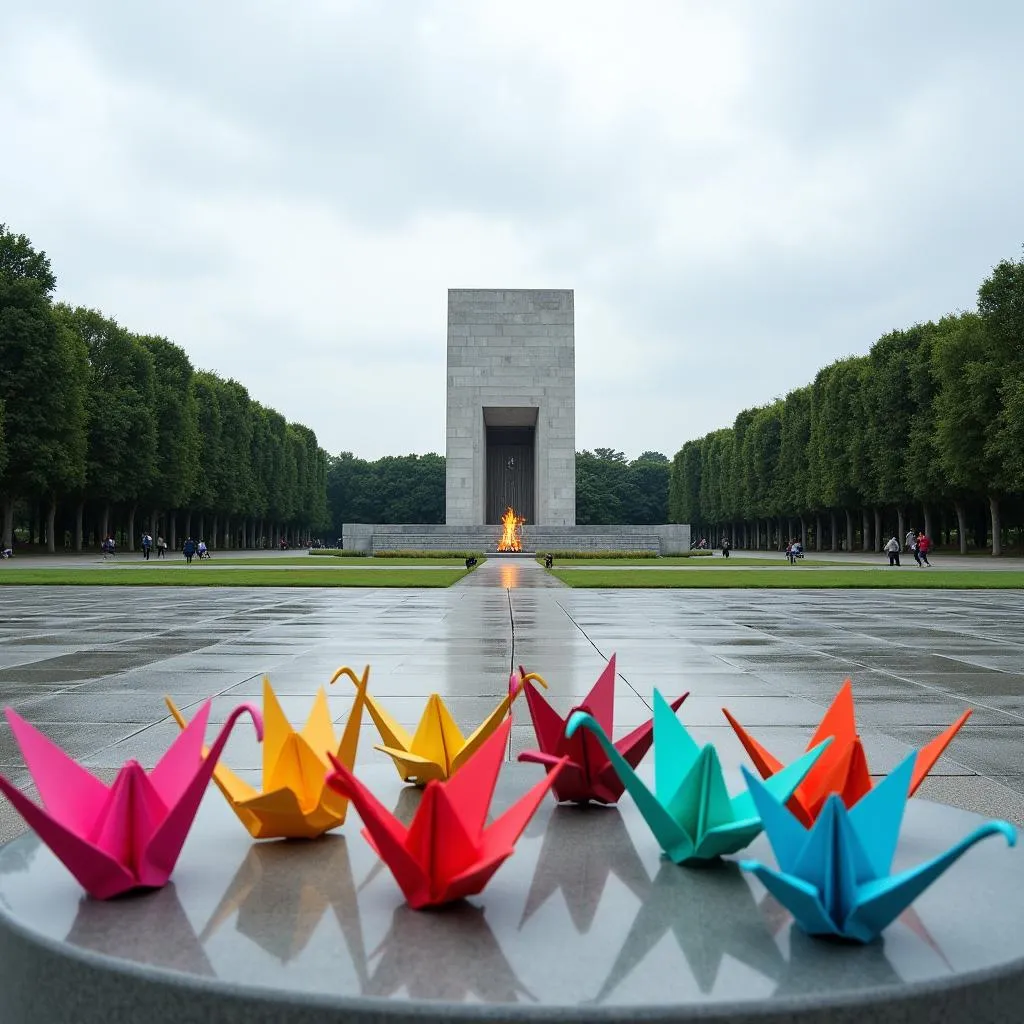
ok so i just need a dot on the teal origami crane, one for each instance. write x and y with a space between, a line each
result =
690 812
834 877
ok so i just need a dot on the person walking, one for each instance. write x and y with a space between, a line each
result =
893 550
188 550
161 547
725 547
147 545
924 545
911 539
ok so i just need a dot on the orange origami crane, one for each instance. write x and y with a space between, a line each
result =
438 748
448 851
589 774
843 767
295 802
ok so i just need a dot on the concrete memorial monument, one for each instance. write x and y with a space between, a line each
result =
511 436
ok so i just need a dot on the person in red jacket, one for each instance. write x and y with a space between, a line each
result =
923 547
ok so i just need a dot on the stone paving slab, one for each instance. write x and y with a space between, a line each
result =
90 666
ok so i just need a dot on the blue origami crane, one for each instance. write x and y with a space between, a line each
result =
690 812
834 877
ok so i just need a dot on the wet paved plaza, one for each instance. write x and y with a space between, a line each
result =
90 666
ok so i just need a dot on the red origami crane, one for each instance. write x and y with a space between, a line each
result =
127 835
843 767
589 775
447 852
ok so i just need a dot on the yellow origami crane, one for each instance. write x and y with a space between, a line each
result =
438 748
295 802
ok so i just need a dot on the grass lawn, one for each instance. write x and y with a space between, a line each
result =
788 577
703 562
329 562
209 575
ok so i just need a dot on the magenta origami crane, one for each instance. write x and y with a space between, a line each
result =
589 774
449 851
127 835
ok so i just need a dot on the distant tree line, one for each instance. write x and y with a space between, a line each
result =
411 489
925 431
105 432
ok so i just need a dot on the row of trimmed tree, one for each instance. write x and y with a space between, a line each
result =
926 432
106 433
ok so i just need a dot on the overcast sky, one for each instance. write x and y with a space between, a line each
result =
739 193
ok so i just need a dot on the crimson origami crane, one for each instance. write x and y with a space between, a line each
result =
447 852
589 774
127 835
843 768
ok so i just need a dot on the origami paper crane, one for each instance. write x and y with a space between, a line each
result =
834 877
127 835
446 853
589 774
294 802
438 748
691 813
843 769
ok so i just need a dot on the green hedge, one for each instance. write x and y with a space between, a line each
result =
429 554
603 555
338 553
607 556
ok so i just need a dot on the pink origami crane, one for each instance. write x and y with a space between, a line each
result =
127 835
589 774
447 852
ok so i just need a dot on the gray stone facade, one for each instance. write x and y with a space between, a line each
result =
511 362
665 540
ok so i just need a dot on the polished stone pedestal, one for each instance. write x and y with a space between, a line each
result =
586 922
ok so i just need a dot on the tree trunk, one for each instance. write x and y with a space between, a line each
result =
201 528
833 531
8 523
997 539
878 530
849 529
213 534
901 524
105 525
803 532
865 528
79 514
961 525
227 533
172 529
51 515
130 539
928 523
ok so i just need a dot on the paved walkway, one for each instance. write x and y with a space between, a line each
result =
90 666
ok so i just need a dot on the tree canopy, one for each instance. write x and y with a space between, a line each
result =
97 422
930 420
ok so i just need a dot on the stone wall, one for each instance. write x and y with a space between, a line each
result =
511 350
665 540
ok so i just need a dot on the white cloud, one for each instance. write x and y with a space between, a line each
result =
737 195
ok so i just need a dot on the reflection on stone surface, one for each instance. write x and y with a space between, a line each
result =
282 890
113 927
865 967
777 917
711 912
466 963
581 847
